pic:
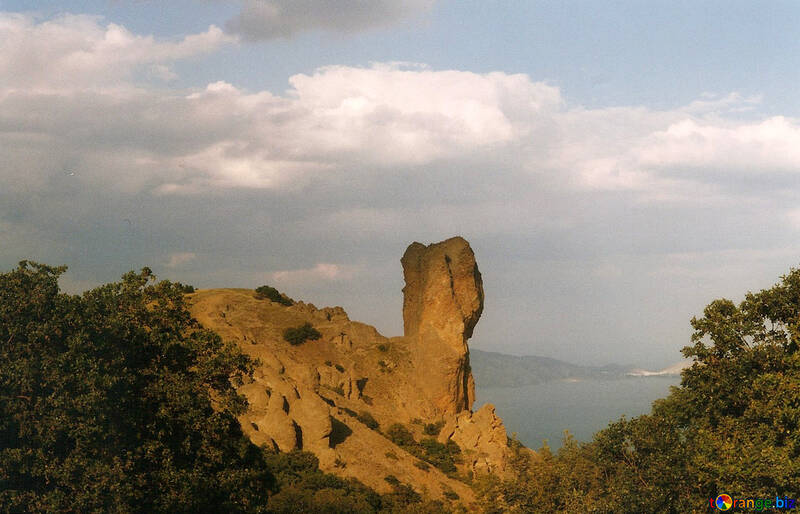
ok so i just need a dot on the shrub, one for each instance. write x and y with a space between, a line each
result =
383 347
433 428
272 294
391 455
299 335
339 368
399 435
424 466
366 418
450 494
443 456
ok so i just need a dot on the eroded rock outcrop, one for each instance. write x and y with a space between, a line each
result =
443 300
337 396
482 438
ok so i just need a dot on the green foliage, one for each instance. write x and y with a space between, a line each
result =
433 428
383 347
732 426
339 368
117 400
366 418
307 489
400 435
443 456
301 334
450 494
185 288
424 466
273 295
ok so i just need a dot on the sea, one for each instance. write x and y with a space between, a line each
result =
542 412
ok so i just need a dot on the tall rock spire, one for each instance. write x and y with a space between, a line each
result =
443 300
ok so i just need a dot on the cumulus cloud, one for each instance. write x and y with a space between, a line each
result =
61 78
267 19
81 51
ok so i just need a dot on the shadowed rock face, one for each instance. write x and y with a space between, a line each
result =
443 300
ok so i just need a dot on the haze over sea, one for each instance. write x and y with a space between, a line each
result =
543 411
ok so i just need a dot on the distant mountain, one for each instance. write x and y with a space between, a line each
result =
492 369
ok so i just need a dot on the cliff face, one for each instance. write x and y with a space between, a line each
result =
318 396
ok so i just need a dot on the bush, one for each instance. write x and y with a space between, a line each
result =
366 418
399 435
272 294
383 347
443 456
299 335
424 466
450 494
433 428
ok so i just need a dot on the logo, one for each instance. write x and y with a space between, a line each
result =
723 502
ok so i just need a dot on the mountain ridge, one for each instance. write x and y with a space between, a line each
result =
495 369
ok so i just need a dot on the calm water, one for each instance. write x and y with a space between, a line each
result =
544 411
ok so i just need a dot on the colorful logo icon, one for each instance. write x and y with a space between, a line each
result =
723 502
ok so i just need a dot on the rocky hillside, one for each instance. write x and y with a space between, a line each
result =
343 395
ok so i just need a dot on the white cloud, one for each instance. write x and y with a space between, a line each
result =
71 96
320 272
80 51
177 259
760 147
267 19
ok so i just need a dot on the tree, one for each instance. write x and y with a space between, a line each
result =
118 400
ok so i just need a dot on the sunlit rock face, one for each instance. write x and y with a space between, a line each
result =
443 300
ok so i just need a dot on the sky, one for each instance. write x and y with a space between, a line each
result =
615 165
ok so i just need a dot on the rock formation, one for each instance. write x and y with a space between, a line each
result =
326 395
443 300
